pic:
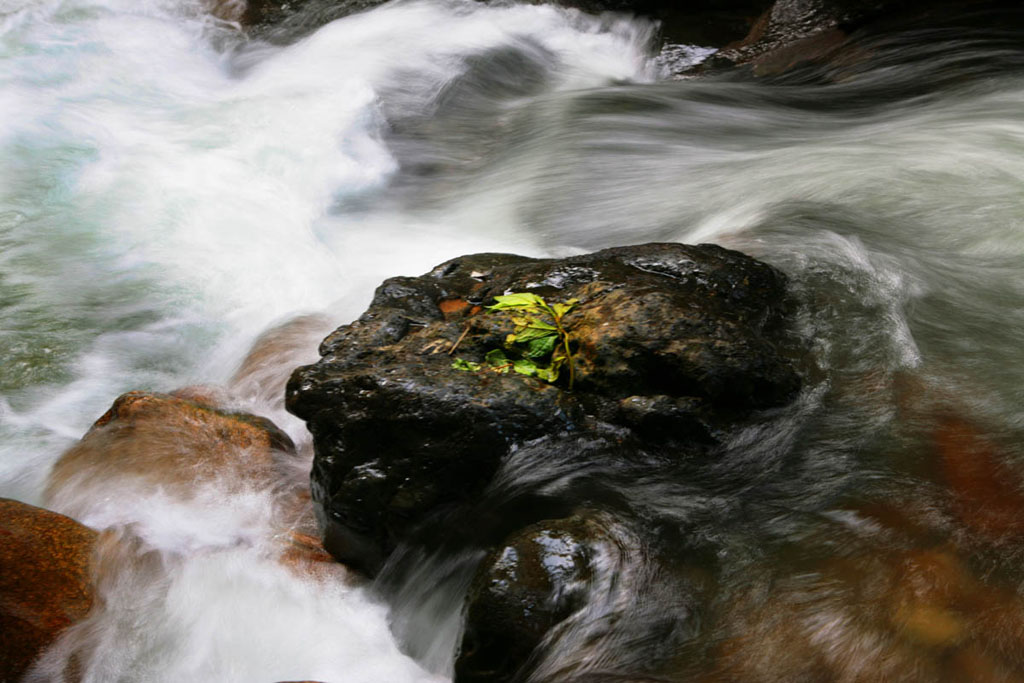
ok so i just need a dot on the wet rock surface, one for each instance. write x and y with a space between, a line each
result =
45 581
535 580
174 441
557 599
792 32
674 346
182 446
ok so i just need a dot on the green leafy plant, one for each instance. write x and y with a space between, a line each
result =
539 344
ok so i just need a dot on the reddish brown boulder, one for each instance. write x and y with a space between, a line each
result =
175 442
305 556
45 581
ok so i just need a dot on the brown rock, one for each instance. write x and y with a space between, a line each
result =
848 619
973 664
45 581
794 31
209 396
305 556
172 442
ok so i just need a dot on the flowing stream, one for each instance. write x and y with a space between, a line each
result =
170 189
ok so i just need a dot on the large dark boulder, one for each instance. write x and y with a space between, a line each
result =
763 37
674 345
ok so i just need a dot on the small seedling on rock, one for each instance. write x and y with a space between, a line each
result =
537 347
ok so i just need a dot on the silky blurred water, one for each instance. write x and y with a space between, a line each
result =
170 189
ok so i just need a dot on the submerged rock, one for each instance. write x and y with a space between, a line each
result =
673 346
535 580
893 613
556 601
986 492
263 373
45 581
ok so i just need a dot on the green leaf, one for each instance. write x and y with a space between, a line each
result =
497 359
538 334
528 334
561 309
467 365
517 300
548 374
525 366
539 347
529 321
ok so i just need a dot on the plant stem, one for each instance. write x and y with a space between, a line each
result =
459 341
564 336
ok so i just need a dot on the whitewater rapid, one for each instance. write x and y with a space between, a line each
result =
171 188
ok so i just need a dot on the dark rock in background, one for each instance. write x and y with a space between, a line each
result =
701 22
769 37
816 33
697 22
283 21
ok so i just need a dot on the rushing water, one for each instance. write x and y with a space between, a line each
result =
169 189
